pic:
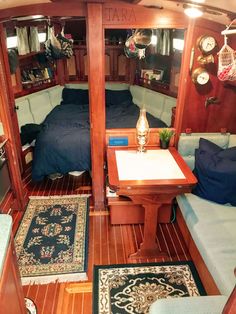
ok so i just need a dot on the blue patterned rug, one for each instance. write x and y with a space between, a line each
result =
132 288
52 239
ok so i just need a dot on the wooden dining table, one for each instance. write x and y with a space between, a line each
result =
150 179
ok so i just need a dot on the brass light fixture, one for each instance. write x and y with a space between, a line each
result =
142 131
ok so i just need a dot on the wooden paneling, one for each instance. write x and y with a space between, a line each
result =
119 15
196 115
153 137
9 121
95 47
11 292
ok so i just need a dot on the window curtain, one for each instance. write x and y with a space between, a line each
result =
166 43
34 39
22 40
163 41
158 33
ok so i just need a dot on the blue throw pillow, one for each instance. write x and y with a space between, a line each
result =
75 96
117 97
215 169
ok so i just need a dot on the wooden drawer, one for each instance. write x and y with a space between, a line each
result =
123 211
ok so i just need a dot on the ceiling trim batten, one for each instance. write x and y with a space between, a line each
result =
47 9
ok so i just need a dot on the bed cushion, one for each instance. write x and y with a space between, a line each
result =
212 227
117 97
24 114
196 305
40 106
215 170
75 96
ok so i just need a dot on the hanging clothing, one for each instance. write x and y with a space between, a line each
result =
34 39
13 60
166 43
159 41
22 40
58 47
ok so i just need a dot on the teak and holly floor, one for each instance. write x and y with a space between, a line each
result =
107 245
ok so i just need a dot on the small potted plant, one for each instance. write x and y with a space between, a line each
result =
165 136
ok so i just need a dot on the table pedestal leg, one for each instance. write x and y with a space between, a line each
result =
149 247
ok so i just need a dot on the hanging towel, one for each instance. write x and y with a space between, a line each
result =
166 43
34 39
22 40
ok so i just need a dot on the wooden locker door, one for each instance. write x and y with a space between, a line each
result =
109 69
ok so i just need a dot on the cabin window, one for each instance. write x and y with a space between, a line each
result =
11 42
178 44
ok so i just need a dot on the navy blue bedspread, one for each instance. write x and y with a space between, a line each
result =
63 144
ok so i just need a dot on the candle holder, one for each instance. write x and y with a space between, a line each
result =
142 131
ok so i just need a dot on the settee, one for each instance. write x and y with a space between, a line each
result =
212 228
33 108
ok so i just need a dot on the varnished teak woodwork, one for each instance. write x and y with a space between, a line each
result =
11 292
151 194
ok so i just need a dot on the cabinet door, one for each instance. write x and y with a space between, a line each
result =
16 81
122 67
109 68
71 68
11 292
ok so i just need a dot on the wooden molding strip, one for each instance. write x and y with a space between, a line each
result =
84 287
99 213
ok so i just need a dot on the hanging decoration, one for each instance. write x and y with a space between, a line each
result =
227 59
58 47
137 43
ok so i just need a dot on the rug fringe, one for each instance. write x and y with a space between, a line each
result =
58 196
41 280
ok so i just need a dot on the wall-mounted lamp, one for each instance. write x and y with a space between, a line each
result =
142 130
192 11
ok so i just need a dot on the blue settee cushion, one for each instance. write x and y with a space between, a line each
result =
117 97
215 170
75 96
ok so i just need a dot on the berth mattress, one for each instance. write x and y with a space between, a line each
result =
63 144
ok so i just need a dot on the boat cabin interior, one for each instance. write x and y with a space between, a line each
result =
128 107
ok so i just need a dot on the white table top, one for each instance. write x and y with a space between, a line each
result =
151 165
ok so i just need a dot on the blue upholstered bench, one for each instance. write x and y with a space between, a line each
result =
213 229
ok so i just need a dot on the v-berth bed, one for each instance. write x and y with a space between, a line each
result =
63 143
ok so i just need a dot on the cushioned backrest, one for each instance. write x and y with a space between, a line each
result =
189 142
169 103
138 94
112 86
157 104
80 85
145 98
40 106
116 86
24 113
55 95
232 140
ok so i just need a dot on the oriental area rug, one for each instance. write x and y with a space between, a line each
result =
52 239
132 288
